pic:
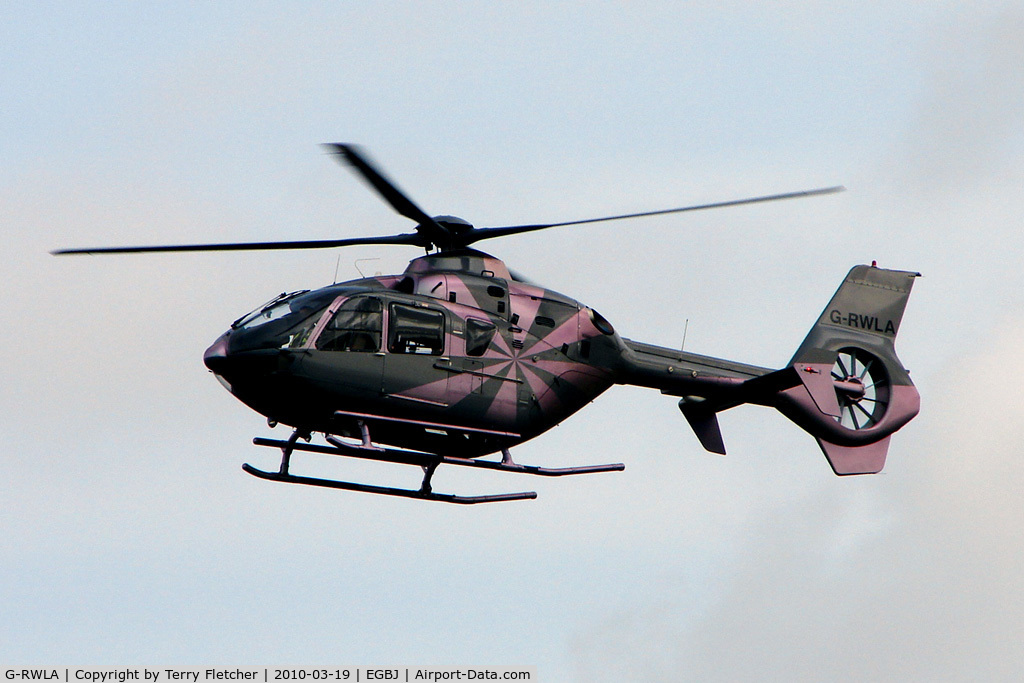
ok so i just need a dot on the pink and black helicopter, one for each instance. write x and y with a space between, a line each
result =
458 358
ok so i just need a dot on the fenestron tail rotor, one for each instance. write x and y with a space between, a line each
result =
445 233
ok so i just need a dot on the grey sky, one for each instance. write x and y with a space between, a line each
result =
129 534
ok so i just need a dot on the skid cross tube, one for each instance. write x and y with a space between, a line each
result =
288 447
339 447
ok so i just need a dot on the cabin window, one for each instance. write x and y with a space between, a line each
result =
478 336
356 326
416 330
285 322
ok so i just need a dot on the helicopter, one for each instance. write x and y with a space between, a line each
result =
459 358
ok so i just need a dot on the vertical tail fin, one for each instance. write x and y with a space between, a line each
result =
853 342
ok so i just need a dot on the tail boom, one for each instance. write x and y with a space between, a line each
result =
845 385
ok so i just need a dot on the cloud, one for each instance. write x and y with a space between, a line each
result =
969 125
760 564
910 575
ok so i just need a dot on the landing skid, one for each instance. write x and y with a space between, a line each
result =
386 490
427 461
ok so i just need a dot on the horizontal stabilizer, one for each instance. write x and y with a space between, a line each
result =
817 379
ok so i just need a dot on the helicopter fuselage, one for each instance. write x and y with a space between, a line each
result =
467 359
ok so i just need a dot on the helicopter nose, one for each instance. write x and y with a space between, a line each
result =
216 356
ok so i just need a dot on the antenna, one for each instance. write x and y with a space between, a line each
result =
336 266
686 326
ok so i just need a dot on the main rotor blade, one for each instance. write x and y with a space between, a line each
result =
412 239
401 203
485 233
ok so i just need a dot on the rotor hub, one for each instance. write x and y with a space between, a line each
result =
454 224
862 388
852 388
